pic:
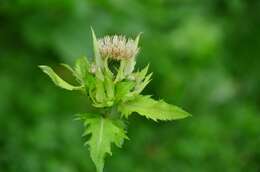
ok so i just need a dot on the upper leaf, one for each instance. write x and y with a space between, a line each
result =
98 58
142 84
82 68
100 91
103 133
120 73
57 80
140 76
150 108
108 81
123 89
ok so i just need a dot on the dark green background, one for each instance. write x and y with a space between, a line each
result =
205 56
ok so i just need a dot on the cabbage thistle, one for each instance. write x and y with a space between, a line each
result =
114 91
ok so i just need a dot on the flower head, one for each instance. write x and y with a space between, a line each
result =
117 47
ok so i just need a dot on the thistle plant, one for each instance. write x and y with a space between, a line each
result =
114 89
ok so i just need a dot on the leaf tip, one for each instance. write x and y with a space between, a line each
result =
41 67
93 33
186 114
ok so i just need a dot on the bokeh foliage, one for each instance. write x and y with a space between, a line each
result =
204 55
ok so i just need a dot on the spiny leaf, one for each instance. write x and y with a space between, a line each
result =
123 88
140 86
57 80
141 75
150 108
103 133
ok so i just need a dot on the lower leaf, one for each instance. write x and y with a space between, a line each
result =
103 133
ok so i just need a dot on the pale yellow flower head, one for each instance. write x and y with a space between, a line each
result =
117 47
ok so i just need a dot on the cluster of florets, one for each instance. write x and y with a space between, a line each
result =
117 47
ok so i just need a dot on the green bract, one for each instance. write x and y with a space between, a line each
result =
115 93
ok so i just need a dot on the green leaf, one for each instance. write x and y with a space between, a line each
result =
69 68
108 82
123 89
99 73
142 80
103 93
100 91
98 58
141 85
129 68
83 76
140 76
103 133
152 109
90 83
57 80
109 87
78 79
82 68
120 73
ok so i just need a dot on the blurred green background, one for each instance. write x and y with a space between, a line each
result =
205 56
